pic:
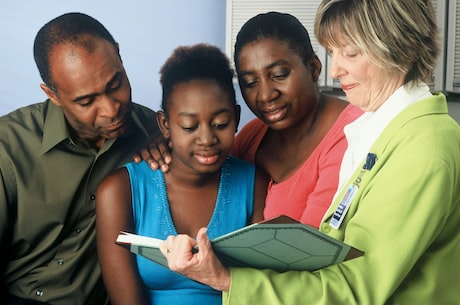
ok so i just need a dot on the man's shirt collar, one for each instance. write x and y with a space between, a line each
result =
56 129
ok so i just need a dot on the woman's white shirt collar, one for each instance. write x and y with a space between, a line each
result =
365 130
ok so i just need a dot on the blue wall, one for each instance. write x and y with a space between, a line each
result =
147 31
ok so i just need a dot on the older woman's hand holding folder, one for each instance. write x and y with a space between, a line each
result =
202 266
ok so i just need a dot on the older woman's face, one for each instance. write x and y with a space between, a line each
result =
365 84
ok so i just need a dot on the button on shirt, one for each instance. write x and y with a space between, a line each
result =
47 216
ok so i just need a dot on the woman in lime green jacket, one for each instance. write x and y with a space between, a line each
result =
399 190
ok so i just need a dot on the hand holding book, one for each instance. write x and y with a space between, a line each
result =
203 266
280 244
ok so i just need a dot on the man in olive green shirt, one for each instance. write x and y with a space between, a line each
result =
52 157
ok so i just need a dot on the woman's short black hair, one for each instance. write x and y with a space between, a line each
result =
278 26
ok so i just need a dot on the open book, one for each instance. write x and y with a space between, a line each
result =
280 243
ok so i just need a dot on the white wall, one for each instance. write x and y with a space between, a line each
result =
147 31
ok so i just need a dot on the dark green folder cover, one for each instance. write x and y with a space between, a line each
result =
280 244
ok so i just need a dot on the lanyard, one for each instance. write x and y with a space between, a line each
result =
344 205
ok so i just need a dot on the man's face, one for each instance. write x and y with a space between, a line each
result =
93 89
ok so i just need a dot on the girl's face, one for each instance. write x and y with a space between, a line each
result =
201 125
275 83
365 84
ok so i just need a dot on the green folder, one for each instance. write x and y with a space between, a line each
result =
280 244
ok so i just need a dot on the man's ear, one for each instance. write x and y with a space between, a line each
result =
163 123
50 94
316 67
237 116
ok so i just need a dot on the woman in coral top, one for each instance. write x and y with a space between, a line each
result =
297 137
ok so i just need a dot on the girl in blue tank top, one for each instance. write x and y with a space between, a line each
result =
204 187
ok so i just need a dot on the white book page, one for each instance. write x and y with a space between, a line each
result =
133 239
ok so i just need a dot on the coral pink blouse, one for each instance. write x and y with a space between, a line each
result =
307 194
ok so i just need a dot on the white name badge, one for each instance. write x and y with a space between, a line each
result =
343 206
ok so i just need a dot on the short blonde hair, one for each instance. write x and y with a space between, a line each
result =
398 35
